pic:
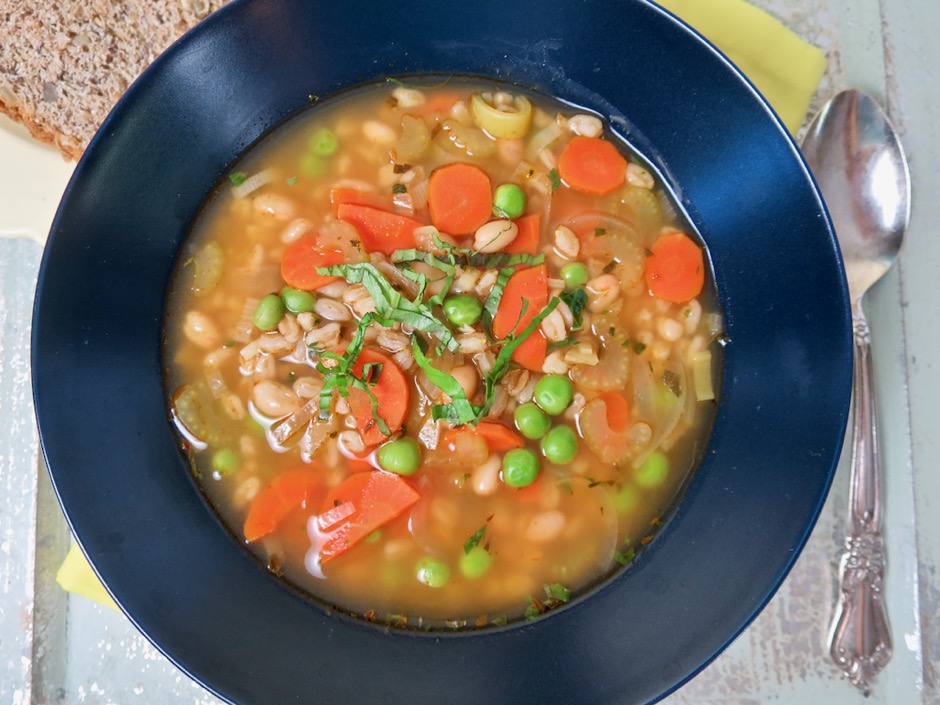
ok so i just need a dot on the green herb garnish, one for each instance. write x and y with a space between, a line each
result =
291 180
399 188
237 178
555 179
474 540
576 299
599 232
390 304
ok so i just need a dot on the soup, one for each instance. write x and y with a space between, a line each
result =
442 356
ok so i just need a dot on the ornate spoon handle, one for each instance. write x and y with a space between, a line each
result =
860 642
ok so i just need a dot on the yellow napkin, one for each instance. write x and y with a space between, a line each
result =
76 576
784 68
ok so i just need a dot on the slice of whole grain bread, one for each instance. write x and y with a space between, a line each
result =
64 64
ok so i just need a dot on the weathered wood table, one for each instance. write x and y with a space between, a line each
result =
57 649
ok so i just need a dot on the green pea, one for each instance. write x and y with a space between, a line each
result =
652 471
462 310
508 201
323 142
313 165
553 393
402 457
225 461
433 572
574 275
531 421
297 300
520 467
560 445
475 562
268 313
626 499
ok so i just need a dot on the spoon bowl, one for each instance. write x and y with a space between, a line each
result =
860 167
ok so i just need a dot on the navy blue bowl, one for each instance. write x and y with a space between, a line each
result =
200 597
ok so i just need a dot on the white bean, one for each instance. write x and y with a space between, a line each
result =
295 230
495 235
545 526
273 205
555 363
377 131
307 387
472 343
274 399
201 331
468 378
351 441
669 329
553 326
638 176
408 97
330 310
602 292
586 125
485 478
567 243
333 290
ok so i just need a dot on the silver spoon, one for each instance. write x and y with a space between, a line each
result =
859 164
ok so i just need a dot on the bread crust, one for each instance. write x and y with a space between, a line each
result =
63 65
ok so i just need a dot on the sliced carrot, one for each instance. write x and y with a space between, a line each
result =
527 241
498 437
379 230
291 490
675 268
300 261
527 287
377 498
592 164
339 196
460 198
618 411
391 391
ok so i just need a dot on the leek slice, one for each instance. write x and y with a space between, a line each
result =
503 124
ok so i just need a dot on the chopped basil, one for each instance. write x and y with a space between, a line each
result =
391 304
558 592
399 188
291 180
576 299
638 347
599 232
625 556
558 344
474 540
237 178
555 179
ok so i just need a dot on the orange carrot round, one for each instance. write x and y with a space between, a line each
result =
300 261
287 492
592 165
376 497
675 268
459 198
527 287
527 241
391 391
381 231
